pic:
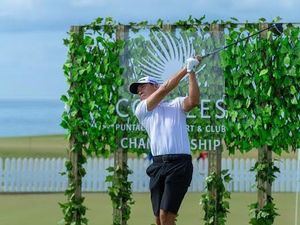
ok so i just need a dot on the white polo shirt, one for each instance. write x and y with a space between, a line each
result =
166 127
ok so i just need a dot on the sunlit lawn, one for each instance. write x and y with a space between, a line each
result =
37 209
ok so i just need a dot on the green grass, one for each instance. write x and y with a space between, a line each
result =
56 146
35 146
37 209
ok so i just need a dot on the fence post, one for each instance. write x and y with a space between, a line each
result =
1 175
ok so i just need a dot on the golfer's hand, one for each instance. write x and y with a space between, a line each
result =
192 63
199 58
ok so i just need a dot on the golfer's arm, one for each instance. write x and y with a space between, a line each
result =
156 97
192 100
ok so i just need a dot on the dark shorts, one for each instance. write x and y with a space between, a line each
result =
170 177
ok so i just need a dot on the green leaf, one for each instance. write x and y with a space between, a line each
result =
235 19
293 90
226 205
287 61
284 49
110 169
109 179
277 19
227 178
263 72
82 71
292 72
262 19
234 116
274 133
64 98
269 91
294 101
248 102
89 40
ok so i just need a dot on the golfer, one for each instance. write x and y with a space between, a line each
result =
165 122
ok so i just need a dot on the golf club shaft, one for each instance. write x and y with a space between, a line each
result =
236 42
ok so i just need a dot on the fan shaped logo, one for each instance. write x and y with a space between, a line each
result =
164 55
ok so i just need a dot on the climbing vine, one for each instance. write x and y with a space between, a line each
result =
93 72
215 200
120 192
264 215
262 89
262 101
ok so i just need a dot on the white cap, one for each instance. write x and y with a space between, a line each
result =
144 80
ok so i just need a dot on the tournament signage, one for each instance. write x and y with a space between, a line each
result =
160 55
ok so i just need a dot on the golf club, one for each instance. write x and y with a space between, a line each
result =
276 28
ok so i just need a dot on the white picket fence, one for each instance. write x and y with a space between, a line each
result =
43 175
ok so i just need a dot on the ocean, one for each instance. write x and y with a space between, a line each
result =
30 117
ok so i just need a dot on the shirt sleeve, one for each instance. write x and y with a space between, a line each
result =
141 110
178 102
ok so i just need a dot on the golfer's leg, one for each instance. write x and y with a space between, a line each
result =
157 220
156 187
176 186
156 194
167 218
171 202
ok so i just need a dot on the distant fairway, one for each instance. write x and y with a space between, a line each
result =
36 146
37 209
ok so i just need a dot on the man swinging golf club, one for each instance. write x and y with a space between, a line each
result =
165 122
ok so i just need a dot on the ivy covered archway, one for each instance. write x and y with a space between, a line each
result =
261 100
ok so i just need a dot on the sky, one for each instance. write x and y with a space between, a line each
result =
32 32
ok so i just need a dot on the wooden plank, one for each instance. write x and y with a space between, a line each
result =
215 155
75 156
264 154
120 155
